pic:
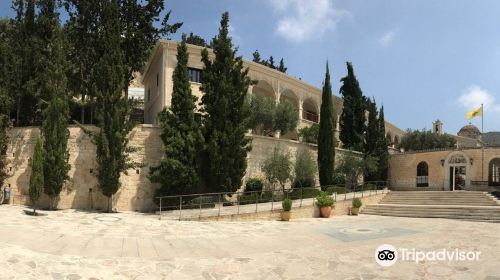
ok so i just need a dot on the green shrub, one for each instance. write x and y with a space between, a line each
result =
338 178
254 184
287 204
356 203
324 200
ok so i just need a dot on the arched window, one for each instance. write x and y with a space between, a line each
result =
422 174
494 174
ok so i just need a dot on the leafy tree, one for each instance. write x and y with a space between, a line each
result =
225 84
282 67
278 168
140 32
177 171
256 56
113 109
352 119
305 169
381 151
194 39
266 117
326 135
52 81
81 31
310 134
36 178
354 166
5 99
22 74
270 63
286 118
416 140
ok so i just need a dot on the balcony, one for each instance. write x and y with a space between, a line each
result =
310 116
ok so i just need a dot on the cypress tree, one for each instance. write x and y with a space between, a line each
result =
177 172
225 84
372 137
256 56
382 151
326 137
52 81
282 67
352 119
36 178
5 100
113 109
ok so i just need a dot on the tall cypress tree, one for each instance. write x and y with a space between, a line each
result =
177 172
372 137
36 178
382 151
352 119
52 81
326 137
225 84
6 28
113 109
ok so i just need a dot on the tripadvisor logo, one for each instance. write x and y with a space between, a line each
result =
387 255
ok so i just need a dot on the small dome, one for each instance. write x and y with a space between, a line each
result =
469 131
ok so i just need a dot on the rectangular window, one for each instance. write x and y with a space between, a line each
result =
195 75
149 95
157 80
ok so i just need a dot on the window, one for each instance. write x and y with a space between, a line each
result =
149 95
422 174
157 80
494 176
195 75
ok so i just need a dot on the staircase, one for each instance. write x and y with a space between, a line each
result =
461 205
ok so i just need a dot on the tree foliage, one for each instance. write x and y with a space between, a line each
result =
381 151
278 168
416 140
269 62
310 134
36 178
52 88
225 85
267 117
326 135
352 119
196 40
353 167
305 169
177 172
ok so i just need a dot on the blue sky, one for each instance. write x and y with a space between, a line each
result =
423 60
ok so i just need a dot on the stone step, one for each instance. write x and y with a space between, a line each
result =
454 217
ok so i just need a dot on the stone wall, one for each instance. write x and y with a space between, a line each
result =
403 167
136 192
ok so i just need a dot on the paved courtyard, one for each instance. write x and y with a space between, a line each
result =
73 244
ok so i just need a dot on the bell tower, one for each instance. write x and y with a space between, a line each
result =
437 127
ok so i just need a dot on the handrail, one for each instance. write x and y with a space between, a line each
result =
200 201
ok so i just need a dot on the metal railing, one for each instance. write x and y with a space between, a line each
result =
196 206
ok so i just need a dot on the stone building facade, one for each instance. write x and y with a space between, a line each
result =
305 98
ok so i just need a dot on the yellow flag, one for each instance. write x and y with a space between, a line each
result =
475 113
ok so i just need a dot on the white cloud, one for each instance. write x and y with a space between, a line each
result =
387 38
474 96
305 19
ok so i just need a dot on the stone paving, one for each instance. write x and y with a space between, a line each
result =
72 244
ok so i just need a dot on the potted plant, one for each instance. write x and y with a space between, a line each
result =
356 204
287 206
325 203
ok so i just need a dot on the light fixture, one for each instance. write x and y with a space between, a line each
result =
471 161
442 162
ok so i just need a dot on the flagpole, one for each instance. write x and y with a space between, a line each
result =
482 143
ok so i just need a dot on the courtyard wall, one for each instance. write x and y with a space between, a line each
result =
136 192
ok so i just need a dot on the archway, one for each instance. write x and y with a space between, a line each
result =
263 88
290 97
494 172
422 174
457 170
310 111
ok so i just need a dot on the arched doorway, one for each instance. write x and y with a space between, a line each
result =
422 174
456 171
494 172
310 110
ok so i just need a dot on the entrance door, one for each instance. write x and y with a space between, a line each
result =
458 176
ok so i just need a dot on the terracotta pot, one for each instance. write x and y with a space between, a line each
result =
286 215
354 211
325 211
